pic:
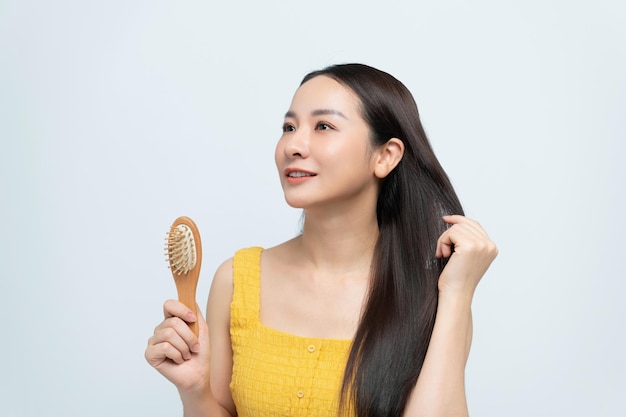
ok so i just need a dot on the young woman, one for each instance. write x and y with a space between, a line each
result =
368 311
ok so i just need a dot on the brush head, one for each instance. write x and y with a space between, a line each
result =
180 249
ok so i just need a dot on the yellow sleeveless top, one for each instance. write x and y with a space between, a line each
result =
276 373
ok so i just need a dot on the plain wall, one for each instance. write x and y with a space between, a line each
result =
116 117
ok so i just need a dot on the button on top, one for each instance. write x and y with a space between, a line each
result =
300 393
311 348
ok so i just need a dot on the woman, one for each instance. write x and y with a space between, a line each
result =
368 311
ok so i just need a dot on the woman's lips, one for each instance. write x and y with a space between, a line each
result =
296 175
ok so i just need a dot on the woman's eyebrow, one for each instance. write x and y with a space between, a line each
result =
320 112
323 112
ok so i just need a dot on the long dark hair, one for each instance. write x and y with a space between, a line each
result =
397 321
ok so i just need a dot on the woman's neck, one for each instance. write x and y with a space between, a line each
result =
341 243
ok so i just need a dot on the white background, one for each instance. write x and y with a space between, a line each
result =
116 117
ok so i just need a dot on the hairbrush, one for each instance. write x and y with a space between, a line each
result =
183 251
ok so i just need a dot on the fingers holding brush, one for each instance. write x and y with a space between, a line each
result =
174 308
172 338
174 350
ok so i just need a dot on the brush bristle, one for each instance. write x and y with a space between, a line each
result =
180 249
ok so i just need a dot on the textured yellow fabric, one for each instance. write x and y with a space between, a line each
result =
275 373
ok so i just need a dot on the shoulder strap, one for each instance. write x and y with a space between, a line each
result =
246 284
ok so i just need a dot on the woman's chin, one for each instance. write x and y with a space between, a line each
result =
295 203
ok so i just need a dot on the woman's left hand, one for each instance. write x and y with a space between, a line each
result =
473 253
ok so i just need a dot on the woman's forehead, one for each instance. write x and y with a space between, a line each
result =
324 93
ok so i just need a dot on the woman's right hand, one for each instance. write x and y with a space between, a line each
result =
176 352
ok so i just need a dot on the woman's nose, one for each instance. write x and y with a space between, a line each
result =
297 145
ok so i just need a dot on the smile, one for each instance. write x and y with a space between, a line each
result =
297 174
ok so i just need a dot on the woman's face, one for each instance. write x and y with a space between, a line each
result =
324 155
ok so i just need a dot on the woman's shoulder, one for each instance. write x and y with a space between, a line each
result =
223 279
279 254
283 251
224 271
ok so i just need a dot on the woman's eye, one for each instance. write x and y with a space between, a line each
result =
287 127
323 126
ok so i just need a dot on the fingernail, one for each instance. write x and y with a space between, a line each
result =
191 317
195 348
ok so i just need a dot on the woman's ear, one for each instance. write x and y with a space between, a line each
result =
388 157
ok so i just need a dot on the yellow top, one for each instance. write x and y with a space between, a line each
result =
276 373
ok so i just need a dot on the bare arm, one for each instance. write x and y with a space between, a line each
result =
215 400
196 366
440 387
